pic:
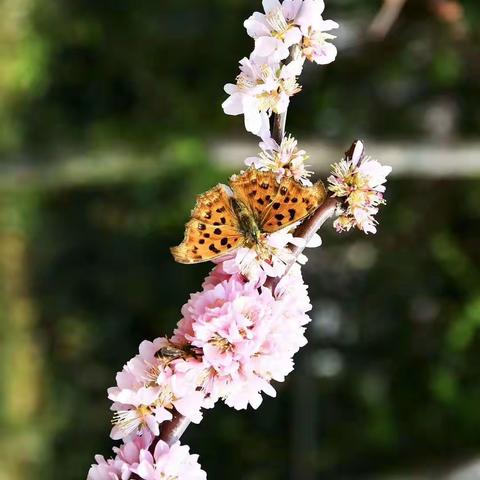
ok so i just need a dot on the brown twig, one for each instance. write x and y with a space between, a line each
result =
173 430
278 130
311 226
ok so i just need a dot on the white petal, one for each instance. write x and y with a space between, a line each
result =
302 259
358 152
265 126
283 103
145 470
270 49
290 8
293 69
269 5
253 119
293 36
327 25
298 242
315 241
265 46
326 54
117 433
234 104
257 25
230 88
311 13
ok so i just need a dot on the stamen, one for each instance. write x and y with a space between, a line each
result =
277 21
244 82
129 420
221 343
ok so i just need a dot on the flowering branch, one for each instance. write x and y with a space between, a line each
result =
241 332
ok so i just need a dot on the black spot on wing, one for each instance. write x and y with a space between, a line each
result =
213 248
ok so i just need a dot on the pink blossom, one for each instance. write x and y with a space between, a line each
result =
267 259
119 468
137 413
134 457
286 159
261 88
274 32
218 275
231 328
359 182
316 46
108 469
293 293
169 463
293 22
129 452
149 387
246 335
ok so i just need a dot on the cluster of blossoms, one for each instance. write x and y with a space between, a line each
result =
359 182
285 36
143 458
241 332
235 337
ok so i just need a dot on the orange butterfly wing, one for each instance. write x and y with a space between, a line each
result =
256 190
276 205
212 231
293 203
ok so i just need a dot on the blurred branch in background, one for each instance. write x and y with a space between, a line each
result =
385 18
115 166
422 159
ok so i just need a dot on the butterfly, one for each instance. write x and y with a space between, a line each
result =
256 204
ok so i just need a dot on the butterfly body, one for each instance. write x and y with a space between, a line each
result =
247 223
242 215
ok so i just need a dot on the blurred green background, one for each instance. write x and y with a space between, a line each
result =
107 113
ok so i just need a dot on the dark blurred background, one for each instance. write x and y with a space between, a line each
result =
110 123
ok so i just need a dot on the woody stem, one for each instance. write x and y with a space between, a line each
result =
174 429
310 226
278 129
